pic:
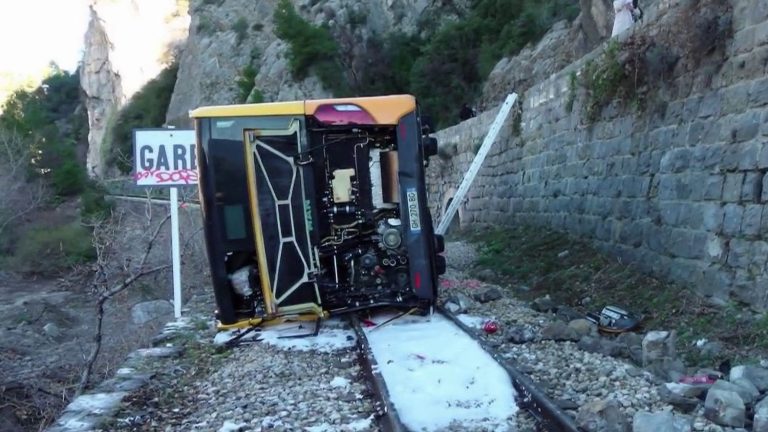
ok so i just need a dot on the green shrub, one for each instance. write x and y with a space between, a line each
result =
205 26
311 48
256 96
572 80
94 202
357 18
146 109
37 117
52 250
604 79
459 55
397 52
68 179
240 27
245 83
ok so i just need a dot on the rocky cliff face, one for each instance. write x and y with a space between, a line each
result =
218 49
562 45
127 44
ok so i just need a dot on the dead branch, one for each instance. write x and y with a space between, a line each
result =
20 195
104 237
86 374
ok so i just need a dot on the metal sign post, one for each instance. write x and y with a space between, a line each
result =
175 252
166 157
469 177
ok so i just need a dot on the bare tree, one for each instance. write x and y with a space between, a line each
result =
21 195
111 277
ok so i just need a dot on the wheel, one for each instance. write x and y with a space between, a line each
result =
440 264
439 243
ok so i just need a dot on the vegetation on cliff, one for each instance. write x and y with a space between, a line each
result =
312 48
146 109
445 68
43 134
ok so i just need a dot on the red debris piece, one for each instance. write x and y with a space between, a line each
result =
697 379
447 283
368 323
490 327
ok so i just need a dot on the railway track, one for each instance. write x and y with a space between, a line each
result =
547 415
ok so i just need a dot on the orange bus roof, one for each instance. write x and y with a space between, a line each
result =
384 109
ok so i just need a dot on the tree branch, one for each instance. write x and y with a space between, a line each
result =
85 376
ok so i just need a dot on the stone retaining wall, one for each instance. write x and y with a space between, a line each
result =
679 189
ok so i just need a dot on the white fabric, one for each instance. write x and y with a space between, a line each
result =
623 19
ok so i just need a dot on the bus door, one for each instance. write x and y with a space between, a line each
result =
281 220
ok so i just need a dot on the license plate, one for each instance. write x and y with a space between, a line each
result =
413 210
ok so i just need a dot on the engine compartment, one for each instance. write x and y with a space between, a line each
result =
361 250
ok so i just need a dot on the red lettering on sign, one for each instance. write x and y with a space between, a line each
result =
185 176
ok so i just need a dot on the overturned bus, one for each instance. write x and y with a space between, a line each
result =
316 208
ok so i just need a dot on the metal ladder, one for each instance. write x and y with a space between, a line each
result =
469 177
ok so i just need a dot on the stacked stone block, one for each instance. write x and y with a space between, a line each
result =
679 189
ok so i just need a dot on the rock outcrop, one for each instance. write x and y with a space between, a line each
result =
227 36
126 45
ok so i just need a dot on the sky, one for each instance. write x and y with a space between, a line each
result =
35 32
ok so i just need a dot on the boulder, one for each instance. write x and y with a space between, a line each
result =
486 275
567 313
583 327
487 294
725 408
457 303
680 397
559 331
543 304
757 375
748 388
760 422
52 330
687 390
596 344
520 334
658 346
142 313
744 393
660 422
602 416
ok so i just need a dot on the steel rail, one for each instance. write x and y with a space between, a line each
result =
530 397
386 413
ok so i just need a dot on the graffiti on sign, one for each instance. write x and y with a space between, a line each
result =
164 157
183 176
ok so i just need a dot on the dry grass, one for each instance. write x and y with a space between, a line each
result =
543 262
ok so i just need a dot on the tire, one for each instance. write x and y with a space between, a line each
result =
439 244
440 264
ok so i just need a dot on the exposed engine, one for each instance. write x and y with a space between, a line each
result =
362 252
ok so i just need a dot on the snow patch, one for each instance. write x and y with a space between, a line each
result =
361 425
333 336
358 425
329 339
429 362
227 335
232 427
339 382
97 403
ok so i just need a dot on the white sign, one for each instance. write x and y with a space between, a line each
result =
164 157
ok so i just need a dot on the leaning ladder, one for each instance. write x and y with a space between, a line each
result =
469 177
